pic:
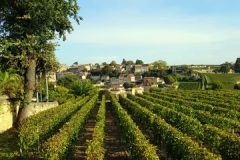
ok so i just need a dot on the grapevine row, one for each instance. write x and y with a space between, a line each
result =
95 147
179 145
56 147
226 95
203 99
200 106
135 140
202 131
42 125
203 116
179 120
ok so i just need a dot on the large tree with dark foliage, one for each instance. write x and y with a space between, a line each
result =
237 65
226 67
27 31
138 61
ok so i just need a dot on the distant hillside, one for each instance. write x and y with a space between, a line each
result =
228 80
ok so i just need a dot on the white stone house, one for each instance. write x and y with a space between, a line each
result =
105 78
52 77
137 90
116 82
129 78
85 67
141 68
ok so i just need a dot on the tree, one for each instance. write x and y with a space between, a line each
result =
60 94
130 63
107 69
185 69
124 62
97 65
237 65
82 88
169 79
75 63
96 72
104 63
113 63
47 62
139 61
27 27
68 80
115 73
159 65
226 67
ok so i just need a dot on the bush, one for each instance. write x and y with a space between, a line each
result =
217 85
11 85
80 88
169 79
13 90
67 81
60 94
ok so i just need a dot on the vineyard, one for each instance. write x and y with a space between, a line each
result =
200 125
227 80
189 85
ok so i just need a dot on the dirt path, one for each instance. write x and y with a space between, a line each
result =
81 145
115 149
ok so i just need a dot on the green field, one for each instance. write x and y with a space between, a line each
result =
189 85
228 80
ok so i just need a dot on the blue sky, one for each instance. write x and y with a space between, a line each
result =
177 31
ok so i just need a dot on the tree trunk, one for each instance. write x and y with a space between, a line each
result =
29 87
29 81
